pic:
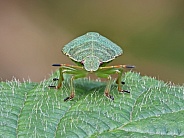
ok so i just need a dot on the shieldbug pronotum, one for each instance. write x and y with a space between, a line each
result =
91 52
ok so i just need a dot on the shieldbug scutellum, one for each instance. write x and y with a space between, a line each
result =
91 52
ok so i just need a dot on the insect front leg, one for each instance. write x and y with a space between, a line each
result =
103 74
108 88
72 90
76 73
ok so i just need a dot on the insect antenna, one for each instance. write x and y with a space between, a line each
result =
128 66
56 64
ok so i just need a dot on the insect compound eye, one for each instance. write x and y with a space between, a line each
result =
82 62
101 62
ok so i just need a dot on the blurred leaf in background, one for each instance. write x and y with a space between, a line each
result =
32 34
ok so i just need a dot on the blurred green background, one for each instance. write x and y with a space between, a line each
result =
33 32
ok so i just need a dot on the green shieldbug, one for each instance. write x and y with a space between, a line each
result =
91 52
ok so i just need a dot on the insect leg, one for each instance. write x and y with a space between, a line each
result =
119 82
106 74
60 80
108 88
72 90
118 69
76 73
61 71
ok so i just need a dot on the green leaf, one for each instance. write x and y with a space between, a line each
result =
152 109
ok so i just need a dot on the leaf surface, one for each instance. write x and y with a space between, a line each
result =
152 109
